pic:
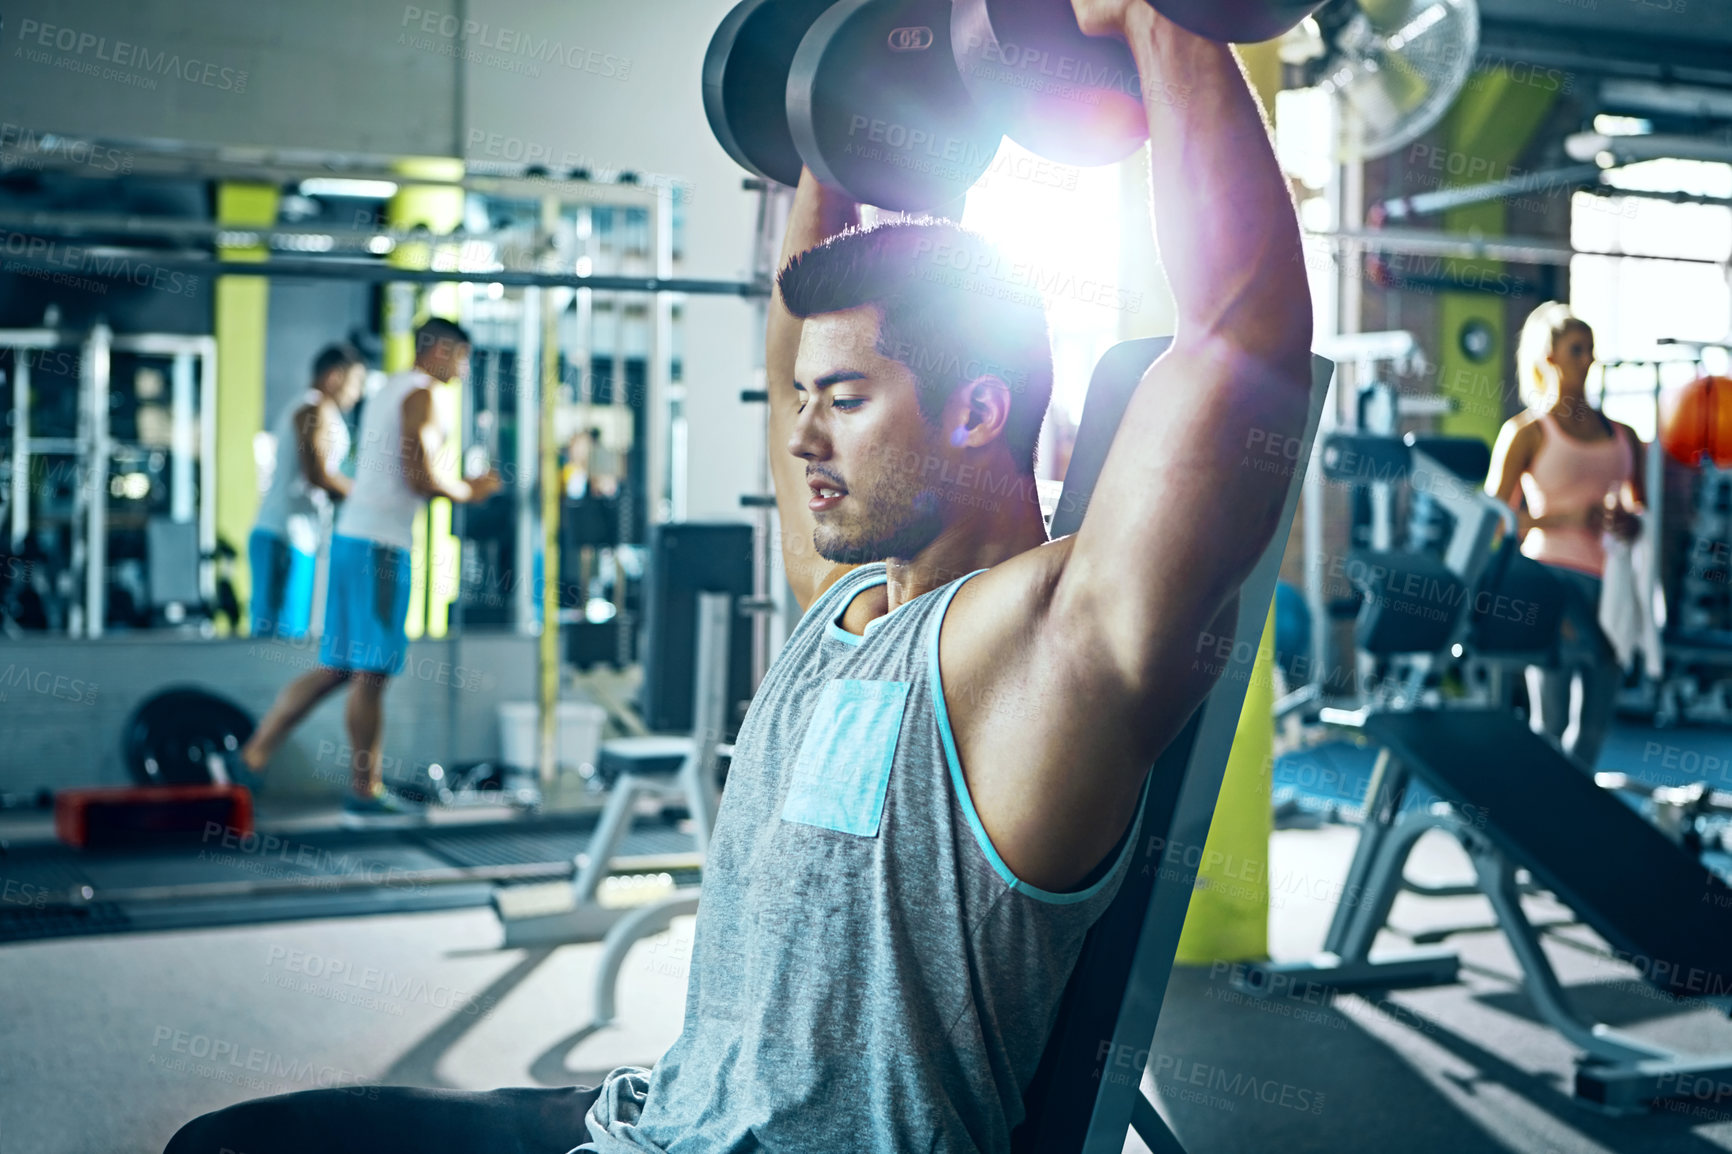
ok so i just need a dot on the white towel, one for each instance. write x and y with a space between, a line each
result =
1631 605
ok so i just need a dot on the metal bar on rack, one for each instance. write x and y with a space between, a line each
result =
1518 250
661 461
20 511
207 450
548 650
21 341
95 371
528 453
339 269
524 181
182 438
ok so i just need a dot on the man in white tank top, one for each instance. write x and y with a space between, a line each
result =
312 442
400 461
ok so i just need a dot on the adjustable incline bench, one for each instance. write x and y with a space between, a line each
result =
1086 1092
1514 800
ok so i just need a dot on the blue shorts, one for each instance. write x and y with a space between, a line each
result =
282 602
366 607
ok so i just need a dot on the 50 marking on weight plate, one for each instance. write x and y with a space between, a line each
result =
913 39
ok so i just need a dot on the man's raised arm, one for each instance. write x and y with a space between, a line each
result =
1185 503
818 214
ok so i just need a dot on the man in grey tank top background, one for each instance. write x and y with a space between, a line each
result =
933 792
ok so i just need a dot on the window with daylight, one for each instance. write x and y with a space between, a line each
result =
1666 276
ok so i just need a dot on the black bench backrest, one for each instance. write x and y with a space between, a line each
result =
1081 1094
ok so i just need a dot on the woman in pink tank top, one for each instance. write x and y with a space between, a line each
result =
1572 476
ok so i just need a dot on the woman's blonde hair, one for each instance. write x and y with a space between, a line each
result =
1536 381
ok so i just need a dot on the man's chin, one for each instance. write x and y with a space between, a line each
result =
839 552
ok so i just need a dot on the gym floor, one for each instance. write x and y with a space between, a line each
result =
115 1041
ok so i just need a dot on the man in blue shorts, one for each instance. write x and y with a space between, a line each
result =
402 460
312 442
932 795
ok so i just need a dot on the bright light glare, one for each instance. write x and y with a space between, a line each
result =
1670 174
1058 228
1305 135
359 189
1608 125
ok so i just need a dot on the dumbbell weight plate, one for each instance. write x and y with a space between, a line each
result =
746 83
170 738
1237 21
878 109
1067 97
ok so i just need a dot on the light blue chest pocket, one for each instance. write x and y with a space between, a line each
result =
842 771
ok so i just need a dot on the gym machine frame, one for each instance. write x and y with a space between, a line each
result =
192 383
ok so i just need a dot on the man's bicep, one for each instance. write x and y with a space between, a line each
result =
1187 501
309 443
418 430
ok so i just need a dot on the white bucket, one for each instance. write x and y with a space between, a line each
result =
576 744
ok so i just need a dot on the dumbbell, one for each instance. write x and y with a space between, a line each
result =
864 92
901 103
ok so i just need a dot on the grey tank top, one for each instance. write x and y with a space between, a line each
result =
867 974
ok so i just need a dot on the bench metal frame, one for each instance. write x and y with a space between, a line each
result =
1618 1072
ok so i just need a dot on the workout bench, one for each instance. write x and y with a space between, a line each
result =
1513 800
1086 1091
671 767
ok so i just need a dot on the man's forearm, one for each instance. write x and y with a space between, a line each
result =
428 484
1224 217
818 213
335 484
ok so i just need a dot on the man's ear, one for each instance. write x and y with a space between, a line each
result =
986 403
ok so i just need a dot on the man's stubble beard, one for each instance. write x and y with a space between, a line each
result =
897 526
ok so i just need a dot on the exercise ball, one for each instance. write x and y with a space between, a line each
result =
1292 631
1697 419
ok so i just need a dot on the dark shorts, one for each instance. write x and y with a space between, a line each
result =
394 1120
1584 586
1581 593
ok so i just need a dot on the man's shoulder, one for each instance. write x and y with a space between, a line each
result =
405 382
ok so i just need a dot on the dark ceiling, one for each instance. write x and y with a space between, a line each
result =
1685 41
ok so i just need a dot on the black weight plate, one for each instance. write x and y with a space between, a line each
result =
878 109
169 738
1237 21
746 83
1068 97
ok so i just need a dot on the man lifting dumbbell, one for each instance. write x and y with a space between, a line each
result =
931 796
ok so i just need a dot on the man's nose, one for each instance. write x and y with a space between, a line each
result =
805 439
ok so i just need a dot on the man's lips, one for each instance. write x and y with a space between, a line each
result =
824 496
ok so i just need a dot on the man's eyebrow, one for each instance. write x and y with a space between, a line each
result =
841 376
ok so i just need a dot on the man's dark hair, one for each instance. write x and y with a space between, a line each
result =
436 329
338 356
949 311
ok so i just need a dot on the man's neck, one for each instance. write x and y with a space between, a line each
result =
1011 525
